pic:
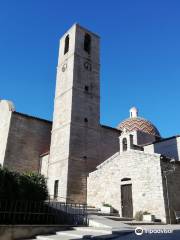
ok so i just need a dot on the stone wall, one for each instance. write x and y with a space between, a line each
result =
171 179
144 138
99 181
143 169
6 109
16 232
109 142
103 143
28 138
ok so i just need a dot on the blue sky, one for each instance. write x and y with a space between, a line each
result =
140 55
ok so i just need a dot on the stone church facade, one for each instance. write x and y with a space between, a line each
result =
130 167
140 176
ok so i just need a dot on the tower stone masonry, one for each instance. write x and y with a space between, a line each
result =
75 133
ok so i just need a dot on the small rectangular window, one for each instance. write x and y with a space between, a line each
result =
56 183
86 88
85 120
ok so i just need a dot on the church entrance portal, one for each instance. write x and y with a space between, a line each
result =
126 200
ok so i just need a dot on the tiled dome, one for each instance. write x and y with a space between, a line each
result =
135 123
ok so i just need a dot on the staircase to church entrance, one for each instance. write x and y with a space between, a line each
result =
105 232
99 227
77 233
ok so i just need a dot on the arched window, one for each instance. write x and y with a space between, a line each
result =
66 47
124 143
87 43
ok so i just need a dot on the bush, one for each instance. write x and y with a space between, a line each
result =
26 186
106 205
139 215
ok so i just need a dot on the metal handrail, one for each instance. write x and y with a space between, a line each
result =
63 199
42 212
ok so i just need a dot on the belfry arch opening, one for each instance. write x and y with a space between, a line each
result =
87 43
124 144
66 46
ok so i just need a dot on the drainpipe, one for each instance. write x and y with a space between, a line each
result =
167 195
166 173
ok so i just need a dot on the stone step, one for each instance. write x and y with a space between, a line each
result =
61 237
82 233
104 222
117 218
96 211
78 234
93 211
93 229
72 233
55 237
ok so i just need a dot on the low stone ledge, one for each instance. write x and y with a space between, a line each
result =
17 232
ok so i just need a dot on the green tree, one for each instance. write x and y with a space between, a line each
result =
26 186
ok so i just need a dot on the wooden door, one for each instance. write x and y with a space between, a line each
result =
126 200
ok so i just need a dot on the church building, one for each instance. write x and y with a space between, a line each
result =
130 167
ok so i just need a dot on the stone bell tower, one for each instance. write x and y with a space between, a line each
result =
73 151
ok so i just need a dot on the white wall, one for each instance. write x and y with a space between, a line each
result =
44 161
170 148
6 109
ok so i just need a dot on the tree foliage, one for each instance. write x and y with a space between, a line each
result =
26 186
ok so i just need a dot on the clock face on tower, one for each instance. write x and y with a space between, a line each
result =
64 67
87 66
